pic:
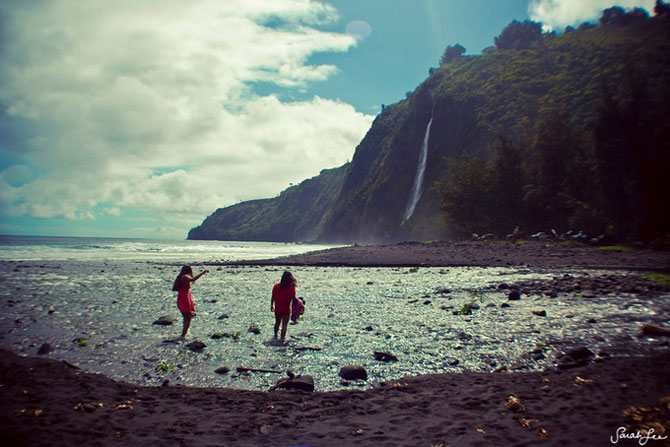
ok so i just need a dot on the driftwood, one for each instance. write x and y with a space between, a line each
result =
650 329
242 369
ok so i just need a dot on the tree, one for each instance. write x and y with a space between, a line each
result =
661 9
519 35
465 196
451 53
617 16
507 181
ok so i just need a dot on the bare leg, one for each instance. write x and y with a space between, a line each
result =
277 321
187 323
284 326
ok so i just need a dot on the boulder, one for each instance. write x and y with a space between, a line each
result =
164 320
353 372
301 383
223 316
513 295
222 370
540 313
385 357
254 330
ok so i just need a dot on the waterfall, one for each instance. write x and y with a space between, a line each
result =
417 187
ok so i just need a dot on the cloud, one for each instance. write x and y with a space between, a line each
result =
557 14
150 105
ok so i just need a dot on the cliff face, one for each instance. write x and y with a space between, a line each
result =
472 101
295 215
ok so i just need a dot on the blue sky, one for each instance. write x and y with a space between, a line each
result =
139 119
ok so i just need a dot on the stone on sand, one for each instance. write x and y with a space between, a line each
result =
164 320
353 372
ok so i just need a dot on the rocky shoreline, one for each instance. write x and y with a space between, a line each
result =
536 254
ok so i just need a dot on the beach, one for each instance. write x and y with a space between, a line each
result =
606 393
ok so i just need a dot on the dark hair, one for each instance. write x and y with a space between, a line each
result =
287 280
185 270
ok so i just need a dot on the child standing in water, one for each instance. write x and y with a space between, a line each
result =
283 295
297 309
182 285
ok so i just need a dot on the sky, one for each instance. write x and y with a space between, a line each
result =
126 118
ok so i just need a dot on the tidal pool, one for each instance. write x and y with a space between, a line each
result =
99 316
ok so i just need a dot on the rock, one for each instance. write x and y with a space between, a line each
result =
385 357
464 336
655 331
536 355
353 372
427 302
222 370
513 295
254 330
504 305
575 357
223 316
216 336
591 321
164 320
196 346
453 362
581 353
301 383
503 286
540 313
45 349
443 291
369 328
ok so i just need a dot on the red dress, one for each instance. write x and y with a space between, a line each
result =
184 298
282 299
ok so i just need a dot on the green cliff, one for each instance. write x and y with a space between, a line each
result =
507 94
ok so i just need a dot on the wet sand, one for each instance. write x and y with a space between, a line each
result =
51 402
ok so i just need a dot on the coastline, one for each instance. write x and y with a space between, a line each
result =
477 254
51 402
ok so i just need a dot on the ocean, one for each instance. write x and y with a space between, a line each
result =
94 301
34 248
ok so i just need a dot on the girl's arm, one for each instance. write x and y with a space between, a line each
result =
195 278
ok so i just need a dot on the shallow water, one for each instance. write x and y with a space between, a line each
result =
350 314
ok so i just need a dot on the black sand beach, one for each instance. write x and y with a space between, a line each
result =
594 401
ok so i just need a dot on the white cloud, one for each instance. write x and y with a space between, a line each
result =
557 14
149 104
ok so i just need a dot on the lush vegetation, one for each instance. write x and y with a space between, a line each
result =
598 156
542 131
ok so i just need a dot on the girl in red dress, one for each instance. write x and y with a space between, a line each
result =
182 285
283 295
